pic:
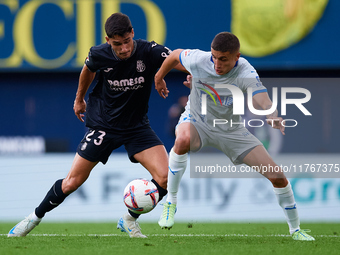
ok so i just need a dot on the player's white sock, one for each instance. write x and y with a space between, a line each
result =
286 200
35 217
177 166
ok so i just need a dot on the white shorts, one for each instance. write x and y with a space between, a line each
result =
236 143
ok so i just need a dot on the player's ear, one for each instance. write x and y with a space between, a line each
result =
238 55
107 39
133 33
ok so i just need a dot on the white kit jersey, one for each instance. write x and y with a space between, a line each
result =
219 101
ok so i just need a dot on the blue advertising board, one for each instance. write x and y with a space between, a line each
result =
45 35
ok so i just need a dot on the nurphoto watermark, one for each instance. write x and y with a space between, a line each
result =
224 109
238 102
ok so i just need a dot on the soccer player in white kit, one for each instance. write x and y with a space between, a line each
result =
223 65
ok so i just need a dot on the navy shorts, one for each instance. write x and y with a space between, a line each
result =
98 145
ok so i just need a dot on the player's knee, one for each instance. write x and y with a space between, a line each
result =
182 144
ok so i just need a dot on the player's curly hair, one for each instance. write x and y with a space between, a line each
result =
226 41
118 24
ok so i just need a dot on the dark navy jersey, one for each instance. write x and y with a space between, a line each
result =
119 101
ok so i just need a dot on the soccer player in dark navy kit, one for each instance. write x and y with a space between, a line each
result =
116 114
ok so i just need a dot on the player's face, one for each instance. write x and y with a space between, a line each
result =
122 45
224 61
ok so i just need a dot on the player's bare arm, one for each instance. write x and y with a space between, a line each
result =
263 101
169 63
85 79
181 68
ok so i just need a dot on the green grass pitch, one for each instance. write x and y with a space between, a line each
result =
192 238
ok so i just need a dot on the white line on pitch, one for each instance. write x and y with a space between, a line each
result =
175 235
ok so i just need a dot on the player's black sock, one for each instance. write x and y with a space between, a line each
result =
162 192
53 198
135 215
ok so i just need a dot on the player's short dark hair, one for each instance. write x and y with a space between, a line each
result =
226 41
118 24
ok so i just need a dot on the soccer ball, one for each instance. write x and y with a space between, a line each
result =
141 196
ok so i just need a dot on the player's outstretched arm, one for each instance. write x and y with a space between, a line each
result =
169 63
85 79
263 100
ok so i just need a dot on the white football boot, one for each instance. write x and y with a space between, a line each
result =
24 227
130 225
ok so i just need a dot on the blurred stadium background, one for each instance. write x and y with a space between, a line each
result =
43 45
